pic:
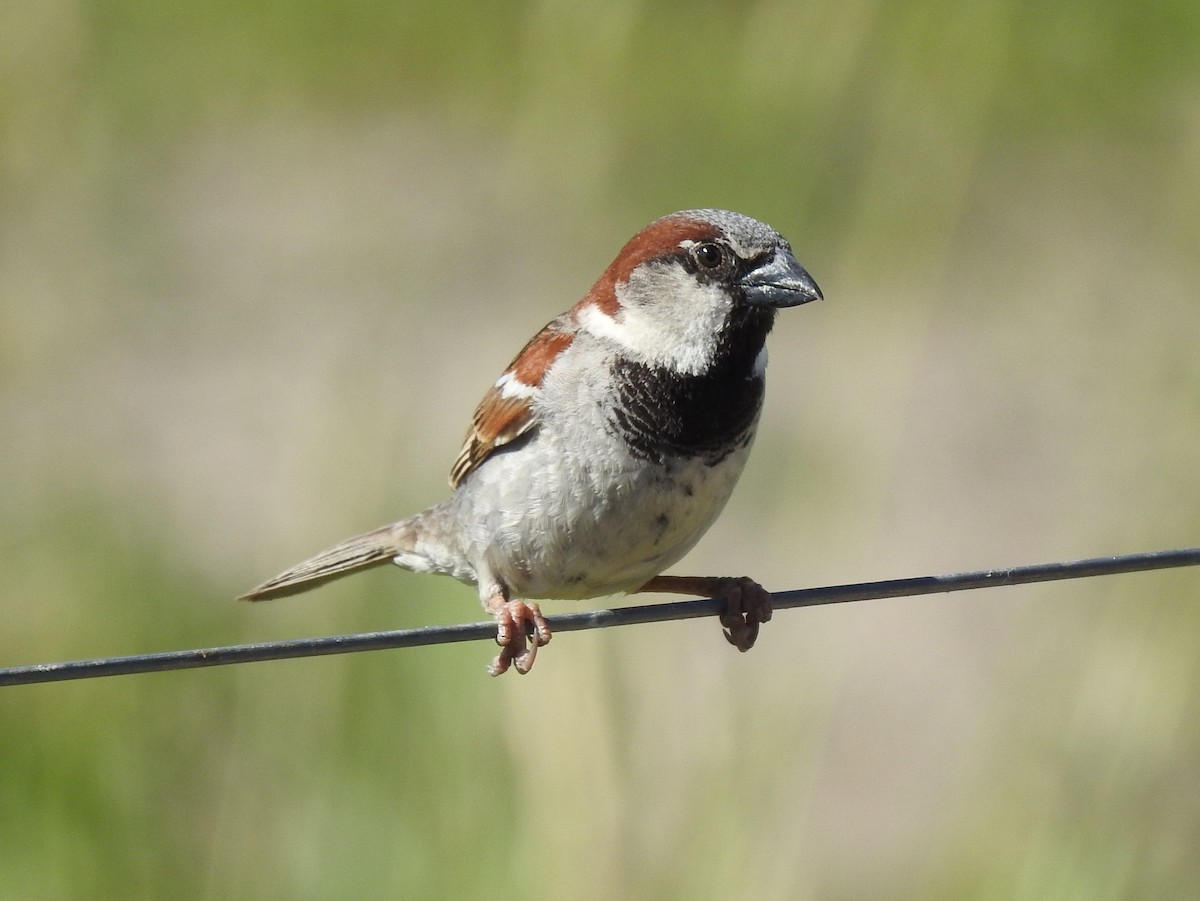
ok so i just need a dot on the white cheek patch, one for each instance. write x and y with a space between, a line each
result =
666 318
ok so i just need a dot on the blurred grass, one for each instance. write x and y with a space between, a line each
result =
257 262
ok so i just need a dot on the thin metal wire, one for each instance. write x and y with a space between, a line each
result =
593 619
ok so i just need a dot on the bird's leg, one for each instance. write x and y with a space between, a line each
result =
747 604
515 620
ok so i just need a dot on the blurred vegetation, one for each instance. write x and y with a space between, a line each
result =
257 262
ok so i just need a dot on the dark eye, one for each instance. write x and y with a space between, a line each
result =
709 255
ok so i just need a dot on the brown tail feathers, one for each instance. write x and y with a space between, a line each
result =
353 554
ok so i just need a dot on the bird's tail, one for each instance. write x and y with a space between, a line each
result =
353 554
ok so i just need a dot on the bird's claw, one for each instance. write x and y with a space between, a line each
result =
520 631
747 606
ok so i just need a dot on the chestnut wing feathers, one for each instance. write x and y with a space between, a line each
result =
498 421
506 411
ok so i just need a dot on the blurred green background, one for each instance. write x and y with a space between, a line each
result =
258 261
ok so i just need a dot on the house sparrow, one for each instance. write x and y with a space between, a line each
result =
612 441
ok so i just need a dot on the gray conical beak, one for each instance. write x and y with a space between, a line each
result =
779 281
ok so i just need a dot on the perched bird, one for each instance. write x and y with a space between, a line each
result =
612 441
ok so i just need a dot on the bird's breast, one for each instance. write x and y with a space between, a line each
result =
627 468
572 519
